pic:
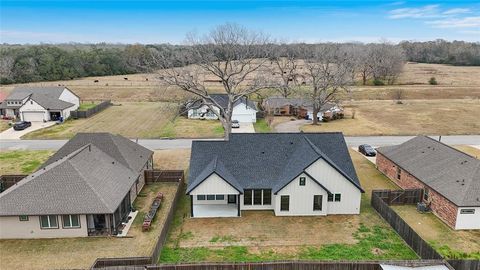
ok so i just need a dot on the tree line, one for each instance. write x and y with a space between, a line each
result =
29 63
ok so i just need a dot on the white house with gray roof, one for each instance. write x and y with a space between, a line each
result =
38 104
291 174
85 189
244 110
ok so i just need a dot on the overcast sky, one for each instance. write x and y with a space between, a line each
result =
291 21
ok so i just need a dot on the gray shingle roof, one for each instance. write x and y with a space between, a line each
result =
130 154
269 160
47 97
448 171
87 181
222 100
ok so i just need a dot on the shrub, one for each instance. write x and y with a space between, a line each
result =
378 82
432 81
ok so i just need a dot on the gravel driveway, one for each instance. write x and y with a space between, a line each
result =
291 126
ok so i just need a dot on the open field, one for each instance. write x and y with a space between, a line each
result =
448 242
130 119
414 117
454 83
22 161
181 127
259 235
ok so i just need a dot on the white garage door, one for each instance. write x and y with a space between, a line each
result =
33 116
245 118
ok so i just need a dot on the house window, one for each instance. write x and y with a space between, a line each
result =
317 202
247 197
338 197
467 211
48 222
426 194
399 173
302 181
210 197
267 196
200 197
71 221
284 203
330 197
31 101
23 218
194 113
257 197
219 197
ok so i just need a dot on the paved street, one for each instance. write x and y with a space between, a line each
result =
186 143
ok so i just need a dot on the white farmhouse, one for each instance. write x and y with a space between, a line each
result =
244 110
290 174
38 104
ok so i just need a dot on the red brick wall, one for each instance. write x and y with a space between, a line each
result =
442 207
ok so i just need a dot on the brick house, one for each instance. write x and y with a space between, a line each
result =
450 178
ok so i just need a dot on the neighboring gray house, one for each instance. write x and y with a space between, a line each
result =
85 189
244 110
292 174
39 104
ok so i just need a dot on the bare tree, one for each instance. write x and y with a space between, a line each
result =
231 54
284 66
327 74
6 66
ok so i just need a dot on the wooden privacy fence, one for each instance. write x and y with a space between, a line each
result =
465 264
89 112
121 263
163 176
9 180
400 197
422 248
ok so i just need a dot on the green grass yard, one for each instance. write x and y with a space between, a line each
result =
22 161
85 105
261 126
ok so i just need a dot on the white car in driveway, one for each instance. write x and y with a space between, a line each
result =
235 124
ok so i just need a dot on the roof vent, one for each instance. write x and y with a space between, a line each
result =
291 142
263 152
113 162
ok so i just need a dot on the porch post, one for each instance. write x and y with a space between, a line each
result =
191 205
238 203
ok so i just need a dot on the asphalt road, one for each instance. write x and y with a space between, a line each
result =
186 143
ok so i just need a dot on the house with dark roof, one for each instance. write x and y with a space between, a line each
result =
39 104
291 174
85 189
299 107
244 110
449 178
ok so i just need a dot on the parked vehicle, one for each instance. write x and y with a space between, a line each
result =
235 124
367 150
22 125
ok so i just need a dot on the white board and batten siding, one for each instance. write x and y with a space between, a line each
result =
468 220
32 111
335 182
213 185
301 198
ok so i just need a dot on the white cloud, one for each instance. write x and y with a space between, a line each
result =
466 22
454 11
429 11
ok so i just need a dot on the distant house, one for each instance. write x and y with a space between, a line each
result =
301 108
244 110
39 103
290 174
450 178
85 189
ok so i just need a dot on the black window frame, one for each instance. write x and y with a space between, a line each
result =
220 197
267 200
303 181
201 197
23 218
282 208
248 193
210 197
338 197
317 206
330 197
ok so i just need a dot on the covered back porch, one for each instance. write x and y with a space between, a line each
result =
218 205
109 224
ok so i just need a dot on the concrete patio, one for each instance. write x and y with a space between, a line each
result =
215 210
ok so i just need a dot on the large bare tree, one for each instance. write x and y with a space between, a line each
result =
229 54
327 72
285 69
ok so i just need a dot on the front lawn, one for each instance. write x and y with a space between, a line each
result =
4 125
182 127
260 236
261 126
22 161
